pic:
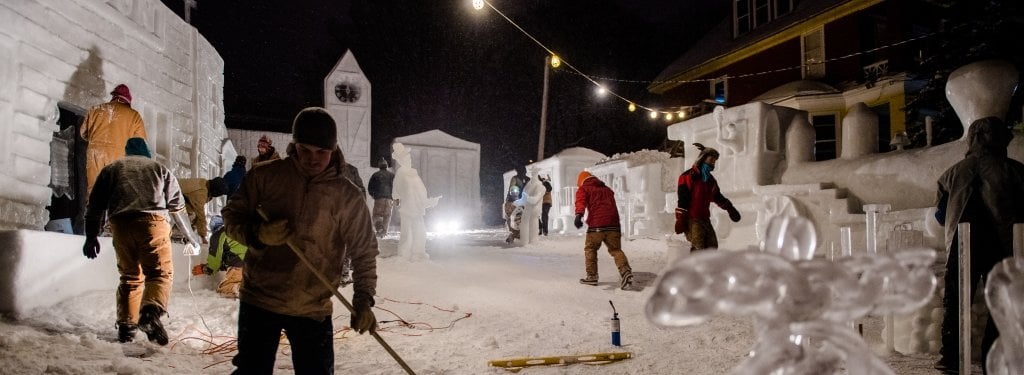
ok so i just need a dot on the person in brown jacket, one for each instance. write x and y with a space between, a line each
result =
107 127
301 203
198 192
265 152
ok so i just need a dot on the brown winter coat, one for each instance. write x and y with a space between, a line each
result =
107 128
197 194
329 220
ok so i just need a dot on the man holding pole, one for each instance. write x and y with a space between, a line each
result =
300 219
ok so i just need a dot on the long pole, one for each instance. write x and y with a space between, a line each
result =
963 232
305 261
544 110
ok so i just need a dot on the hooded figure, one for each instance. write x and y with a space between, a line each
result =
985 189
107 128
696 190
234 177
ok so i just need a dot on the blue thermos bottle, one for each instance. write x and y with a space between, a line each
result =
616 338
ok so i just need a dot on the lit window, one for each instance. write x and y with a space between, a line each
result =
719 90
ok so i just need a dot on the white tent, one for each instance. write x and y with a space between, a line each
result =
449 167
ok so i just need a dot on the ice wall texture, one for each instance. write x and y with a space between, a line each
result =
795 299
72 53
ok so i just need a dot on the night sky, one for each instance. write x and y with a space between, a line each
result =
440 64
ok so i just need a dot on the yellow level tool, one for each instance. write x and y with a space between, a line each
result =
516 364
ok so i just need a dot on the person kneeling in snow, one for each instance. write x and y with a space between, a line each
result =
602 226
225 254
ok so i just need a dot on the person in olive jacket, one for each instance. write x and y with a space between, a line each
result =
300 203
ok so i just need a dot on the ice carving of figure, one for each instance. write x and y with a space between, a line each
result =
794 298
413 203
1004 294
534 190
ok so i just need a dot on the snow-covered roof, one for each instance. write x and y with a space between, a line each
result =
580 152
795 88
437 138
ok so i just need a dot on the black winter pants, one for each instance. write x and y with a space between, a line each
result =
259 332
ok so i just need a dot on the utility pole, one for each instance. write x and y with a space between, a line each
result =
544 109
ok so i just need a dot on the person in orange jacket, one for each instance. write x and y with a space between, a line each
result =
107 127
697 189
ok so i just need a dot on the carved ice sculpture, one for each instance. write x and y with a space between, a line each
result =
800 305
1004 294
534 191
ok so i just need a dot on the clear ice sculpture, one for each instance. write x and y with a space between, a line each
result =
1004 294
801 306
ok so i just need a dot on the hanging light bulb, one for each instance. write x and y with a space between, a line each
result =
601 90
555 61
478 4
682 114
668 116
632 107
654 114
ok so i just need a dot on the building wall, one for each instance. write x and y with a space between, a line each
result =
72 53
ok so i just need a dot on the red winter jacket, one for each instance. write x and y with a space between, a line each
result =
695 195
599 199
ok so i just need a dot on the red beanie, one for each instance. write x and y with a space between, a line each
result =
121 91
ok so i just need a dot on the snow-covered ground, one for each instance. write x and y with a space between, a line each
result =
475 300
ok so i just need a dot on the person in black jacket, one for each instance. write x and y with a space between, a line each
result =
380 186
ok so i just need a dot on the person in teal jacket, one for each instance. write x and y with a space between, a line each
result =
225 254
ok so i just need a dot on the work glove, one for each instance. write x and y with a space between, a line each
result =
274 233
734 215
91 247
579 221
201 269
682 221
362 318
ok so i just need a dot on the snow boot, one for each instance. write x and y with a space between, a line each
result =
589 280
126 332
626 281
149 322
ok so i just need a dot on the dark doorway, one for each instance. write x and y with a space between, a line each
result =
70 204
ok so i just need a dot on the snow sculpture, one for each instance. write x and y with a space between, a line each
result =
1004 294
413 203
800 305
799 141
534 191
860 132
981 89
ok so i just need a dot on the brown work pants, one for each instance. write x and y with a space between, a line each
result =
231 284
142 243
382 215
701 235
611 239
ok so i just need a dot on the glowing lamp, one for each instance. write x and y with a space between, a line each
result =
654 114
668 116
478 4
555 61
632 107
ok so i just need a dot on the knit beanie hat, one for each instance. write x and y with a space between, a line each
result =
217 187
264 141
584 175
137 146
383 163
314 126
121 91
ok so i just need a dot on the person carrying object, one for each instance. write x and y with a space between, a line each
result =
302 204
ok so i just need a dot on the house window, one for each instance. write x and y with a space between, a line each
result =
750 14
812 46
824 136
719 90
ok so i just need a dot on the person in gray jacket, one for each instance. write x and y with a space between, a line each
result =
300 203
138 193
985 189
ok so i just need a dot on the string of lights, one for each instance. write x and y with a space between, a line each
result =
679 111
